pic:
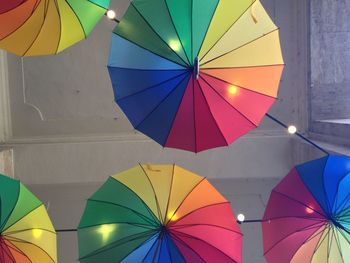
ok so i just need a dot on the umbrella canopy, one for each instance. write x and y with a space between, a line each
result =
43 27
308 215
158 213
26 232
195 74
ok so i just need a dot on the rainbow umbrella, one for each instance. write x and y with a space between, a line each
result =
308 215
26 232
43 27
158 213
195 74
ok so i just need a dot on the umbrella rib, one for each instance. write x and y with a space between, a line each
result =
183 200
146 206
309 227
161 102
211 113
32 244
8 253
118 243
186 245
253 2
12 209
38 33
299 202
149 251
314 235
78 18
203 207
154 86
233 50
154 192
341 206
337 206
206 225
337 240
27 229
159 35
243 67
14 30
19 219
206 32
171 188
96 4
323 187
144 217
143 243
297 217
194 118
177 33
322 240
239 86
201 240
233 107
136 44
60 26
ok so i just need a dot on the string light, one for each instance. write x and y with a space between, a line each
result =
292 129
233 90
174 45
241 218
111 14
37 233
106 230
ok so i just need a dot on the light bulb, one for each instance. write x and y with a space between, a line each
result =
37 233
111 14
292 129
240 218
174 45
233 90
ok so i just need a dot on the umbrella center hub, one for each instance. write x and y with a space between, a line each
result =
196 68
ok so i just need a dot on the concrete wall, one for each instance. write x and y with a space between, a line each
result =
330 59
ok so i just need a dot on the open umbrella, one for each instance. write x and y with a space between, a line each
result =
42 27
308 215
158 213
195 74
26 232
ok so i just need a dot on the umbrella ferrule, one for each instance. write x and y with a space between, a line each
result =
196 68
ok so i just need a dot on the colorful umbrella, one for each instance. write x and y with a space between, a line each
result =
158 213
195 74
308 215
26 232
42 27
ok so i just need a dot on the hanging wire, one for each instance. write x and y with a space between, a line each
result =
298 134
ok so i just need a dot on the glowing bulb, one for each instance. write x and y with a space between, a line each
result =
111 14
309 210
171 216
233 90
240 218
174 45
37 233
292 129
106 230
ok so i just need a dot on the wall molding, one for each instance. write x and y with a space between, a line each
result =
125 137
5 113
